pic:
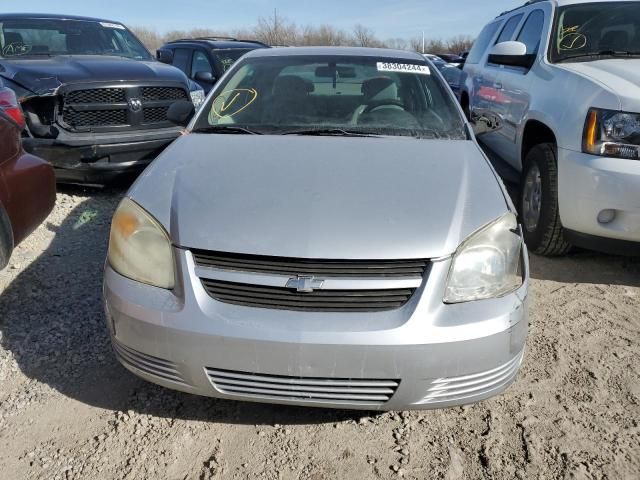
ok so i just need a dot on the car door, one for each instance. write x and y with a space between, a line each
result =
516 86
200 63
491 94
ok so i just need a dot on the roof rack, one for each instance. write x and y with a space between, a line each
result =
526 4
216 39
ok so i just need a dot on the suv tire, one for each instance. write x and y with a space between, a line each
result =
6 238
539 211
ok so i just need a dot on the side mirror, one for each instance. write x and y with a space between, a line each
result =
165 55
181 112
511 54
484 121
206 77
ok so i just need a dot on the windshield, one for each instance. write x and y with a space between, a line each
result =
589 31
333 94
228 57
46 37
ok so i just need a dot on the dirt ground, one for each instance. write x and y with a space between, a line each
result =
68 410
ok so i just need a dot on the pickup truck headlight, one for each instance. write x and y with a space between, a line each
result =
139 248
487 264
612 134
197 97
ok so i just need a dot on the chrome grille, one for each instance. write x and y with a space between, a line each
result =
311 389
282 298
148 364
317 268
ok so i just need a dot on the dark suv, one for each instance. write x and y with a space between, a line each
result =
94 98
205 59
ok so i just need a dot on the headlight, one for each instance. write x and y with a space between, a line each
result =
139 248
197 97
612 134
487 264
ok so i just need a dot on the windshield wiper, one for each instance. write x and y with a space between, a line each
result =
338 132
226 129
602 53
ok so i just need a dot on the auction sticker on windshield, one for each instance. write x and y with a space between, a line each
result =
403 68
112 25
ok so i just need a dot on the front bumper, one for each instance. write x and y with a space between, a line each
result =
437 355
587 185
100 158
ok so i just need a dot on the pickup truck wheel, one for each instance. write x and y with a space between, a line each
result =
6 238
539 210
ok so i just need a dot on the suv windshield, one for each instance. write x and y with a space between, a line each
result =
47 37
333 95
591 31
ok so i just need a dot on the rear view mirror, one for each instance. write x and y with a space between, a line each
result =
484 121
206 77
511 54
181 113
165 55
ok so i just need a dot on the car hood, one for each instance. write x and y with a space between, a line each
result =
44 75
620 76
321 197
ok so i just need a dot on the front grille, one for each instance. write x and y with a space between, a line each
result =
282 298
148 364
98 117
317 268
301 389
163 93
108 108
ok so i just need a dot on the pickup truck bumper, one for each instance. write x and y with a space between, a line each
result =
100 159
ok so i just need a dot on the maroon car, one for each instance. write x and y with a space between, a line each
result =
27 183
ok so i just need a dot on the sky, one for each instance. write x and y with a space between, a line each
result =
387 18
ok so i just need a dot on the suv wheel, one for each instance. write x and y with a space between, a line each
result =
6 238
539 210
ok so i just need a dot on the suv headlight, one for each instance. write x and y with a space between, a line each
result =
197 97
139 248
612 134
487 264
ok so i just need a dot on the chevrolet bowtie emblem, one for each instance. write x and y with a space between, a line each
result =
305 284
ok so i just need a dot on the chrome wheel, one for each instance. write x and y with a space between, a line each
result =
532 198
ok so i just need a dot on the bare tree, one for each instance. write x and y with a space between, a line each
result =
150 38
276 30
397 43
460 43
364 37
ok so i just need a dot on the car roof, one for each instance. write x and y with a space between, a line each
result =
52 16
219 43
340 51
558 3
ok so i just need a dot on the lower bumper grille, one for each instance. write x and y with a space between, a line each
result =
148 364
455 389
283 298
317 390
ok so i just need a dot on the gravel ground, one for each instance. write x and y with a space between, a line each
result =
68 410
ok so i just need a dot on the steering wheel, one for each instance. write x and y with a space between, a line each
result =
382 103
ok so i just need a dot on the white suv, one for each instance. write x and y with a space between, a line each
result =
563 77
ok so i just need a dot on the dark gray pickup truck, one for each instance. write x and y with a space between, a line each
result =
94 98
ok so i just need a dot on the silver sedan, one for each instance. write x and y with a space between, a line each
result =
326 233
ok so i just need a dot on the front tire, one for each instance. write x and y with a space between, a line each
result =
539 210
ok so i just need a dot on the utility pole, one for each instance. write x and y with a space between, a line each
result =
423 43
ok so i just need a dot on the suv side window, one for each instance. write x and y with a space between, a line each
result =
181 57
509 28
200 63
531 33
482 42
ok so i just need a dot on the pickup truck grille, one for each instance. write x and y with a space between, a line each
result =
109 108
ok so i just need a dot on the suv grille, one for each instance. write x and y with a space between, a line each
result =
108 108
316 268
276 387
282 298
